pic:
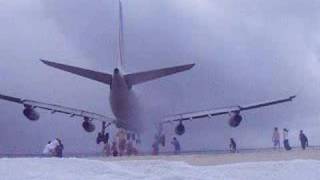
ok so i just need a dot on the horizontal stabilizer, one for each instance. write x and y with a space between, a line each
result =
93 75
141 77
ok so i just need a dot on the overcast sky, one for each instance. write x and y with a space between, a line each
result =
245 51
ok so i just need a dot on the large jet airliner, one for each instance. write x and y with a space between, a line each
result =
123 100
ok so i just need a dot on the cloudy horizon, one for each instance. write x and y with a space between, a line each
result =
245 51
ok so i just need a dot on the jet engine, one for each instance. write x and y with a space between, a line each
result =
88 126
235 120
31 114
180 129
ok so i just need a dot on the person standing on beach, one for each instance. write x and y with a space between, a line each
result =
303 140
59 148
286 139
276 139
176 145
233 146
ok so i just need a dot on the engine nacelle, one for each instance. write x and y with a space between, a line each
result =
88 126
235 120
31 114
180 129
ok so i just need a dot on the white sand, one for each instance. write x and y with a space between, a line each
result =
296 164
219 159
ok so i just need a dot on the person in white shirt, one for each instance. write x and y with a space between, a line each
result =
50 149
276 139
46 150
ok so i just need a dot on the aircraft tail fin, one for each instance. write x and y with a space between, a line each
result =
93 75
141 77
121 38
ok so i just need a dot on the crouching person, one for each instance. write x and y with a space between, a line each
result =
47 150
50 148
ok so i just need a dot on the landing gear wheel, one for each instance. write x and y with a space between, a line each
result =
102 136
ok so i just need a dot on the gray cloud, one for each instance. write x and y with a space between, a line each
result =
245 51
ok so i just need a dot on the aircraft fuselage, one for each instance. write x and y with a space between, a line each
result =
124 103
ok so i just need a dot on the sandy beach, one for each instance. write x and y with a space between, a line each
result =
209 159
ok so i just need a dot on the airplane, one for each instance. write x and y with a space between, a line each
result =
122 98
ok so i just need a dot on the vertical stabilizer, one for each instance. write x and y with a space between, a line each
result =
121 39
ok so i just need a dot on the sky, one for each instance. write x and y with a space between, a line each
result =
245 51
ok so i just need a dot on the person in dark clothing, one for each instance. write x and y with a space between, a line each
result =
176 145
233 146
303 140
59 149
114 149
286 139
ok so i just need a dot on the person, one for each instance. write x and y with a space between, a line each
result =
46 151
233 146
59 149
135 151
162 140
122 135
286 139
155 145
155 148
276 139
129 148
303 140
176 145
107 149
50 148
114 149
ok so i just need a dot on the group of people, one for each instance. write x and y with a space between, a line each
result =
53 148
276 137
123 145
276 140
160 140
285 134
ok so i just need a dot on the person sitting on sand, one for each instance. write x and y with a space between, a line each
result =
46 151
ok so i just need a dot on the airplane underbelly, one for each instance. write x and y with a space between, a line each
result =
125 107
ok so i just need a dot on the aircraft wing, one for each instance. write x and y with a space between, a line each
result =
220 111
93 75
72 112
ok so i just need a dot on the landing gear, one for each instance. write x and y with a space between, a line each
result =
133 137
138 140
103 136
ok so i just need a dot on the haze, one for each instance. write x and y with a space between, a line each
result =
245 51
